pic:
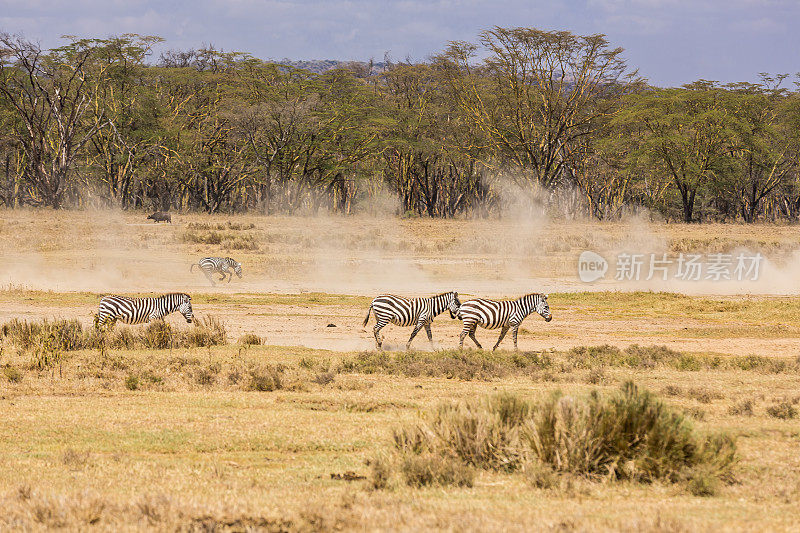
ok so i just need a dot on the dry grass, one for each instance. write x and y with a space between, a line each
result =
245 435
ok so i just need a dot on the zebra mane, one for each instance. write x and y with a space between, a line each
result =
178 294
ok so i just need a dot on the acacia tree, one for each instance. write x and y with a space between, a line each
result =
764 151
126 101
687 132
536 93
52 94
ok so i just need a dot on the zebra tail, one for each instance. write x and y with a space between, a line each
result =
191 268
367 319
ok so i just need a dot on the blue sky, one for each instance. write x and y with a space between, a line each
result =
671 41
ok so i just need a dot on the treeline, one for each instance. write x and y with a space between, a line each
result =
549 120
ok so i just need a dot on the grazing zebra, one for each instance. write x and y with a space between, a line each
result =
220 265
141 310
418 312
505 314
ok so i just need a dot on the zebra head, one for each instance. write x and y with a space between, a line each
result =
185 307
454 304
237 267
542 308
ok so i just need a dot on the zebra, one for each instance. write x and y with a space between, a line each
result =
418 312
220 265
141 310
506 314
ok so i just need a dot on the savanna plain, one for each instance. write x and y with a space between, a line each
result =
650 406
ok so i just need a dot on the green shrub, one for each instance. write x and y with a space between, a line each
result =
628 435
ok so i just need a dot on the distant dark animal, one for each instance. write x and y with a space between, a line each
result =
418 312
160 216
220 265
141 310
505 314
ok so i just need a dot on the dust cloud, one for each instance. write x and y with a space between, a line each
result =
111 251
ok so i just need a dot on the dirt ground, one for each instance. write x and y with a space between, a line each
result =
106 252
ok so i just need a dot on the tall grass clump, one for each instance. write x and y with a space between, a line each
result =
59 334
630 435
46 339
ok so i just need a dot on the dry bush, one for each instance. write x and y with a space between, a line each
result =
157 335
647 357
743 408
596 376
45 340
12 374
132 382
207 331
380 472
703 395
672 390
629 435
702 482
241 242
694 412
324 378
250 339
59 334
266 379
782 410
75 459
194 237
432 469
451 364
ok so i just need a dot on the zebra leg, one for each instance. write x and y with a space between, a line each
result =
376 330
413 334
516 330
461 338
208 275
472 336
430 335
502 334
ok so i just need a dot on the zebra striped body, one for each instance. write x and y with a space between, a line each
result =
220 265
508 314
141 310
418 312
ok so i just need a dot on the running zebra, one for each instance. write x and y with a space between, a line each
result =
141 310
220 265
418 312
507 314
